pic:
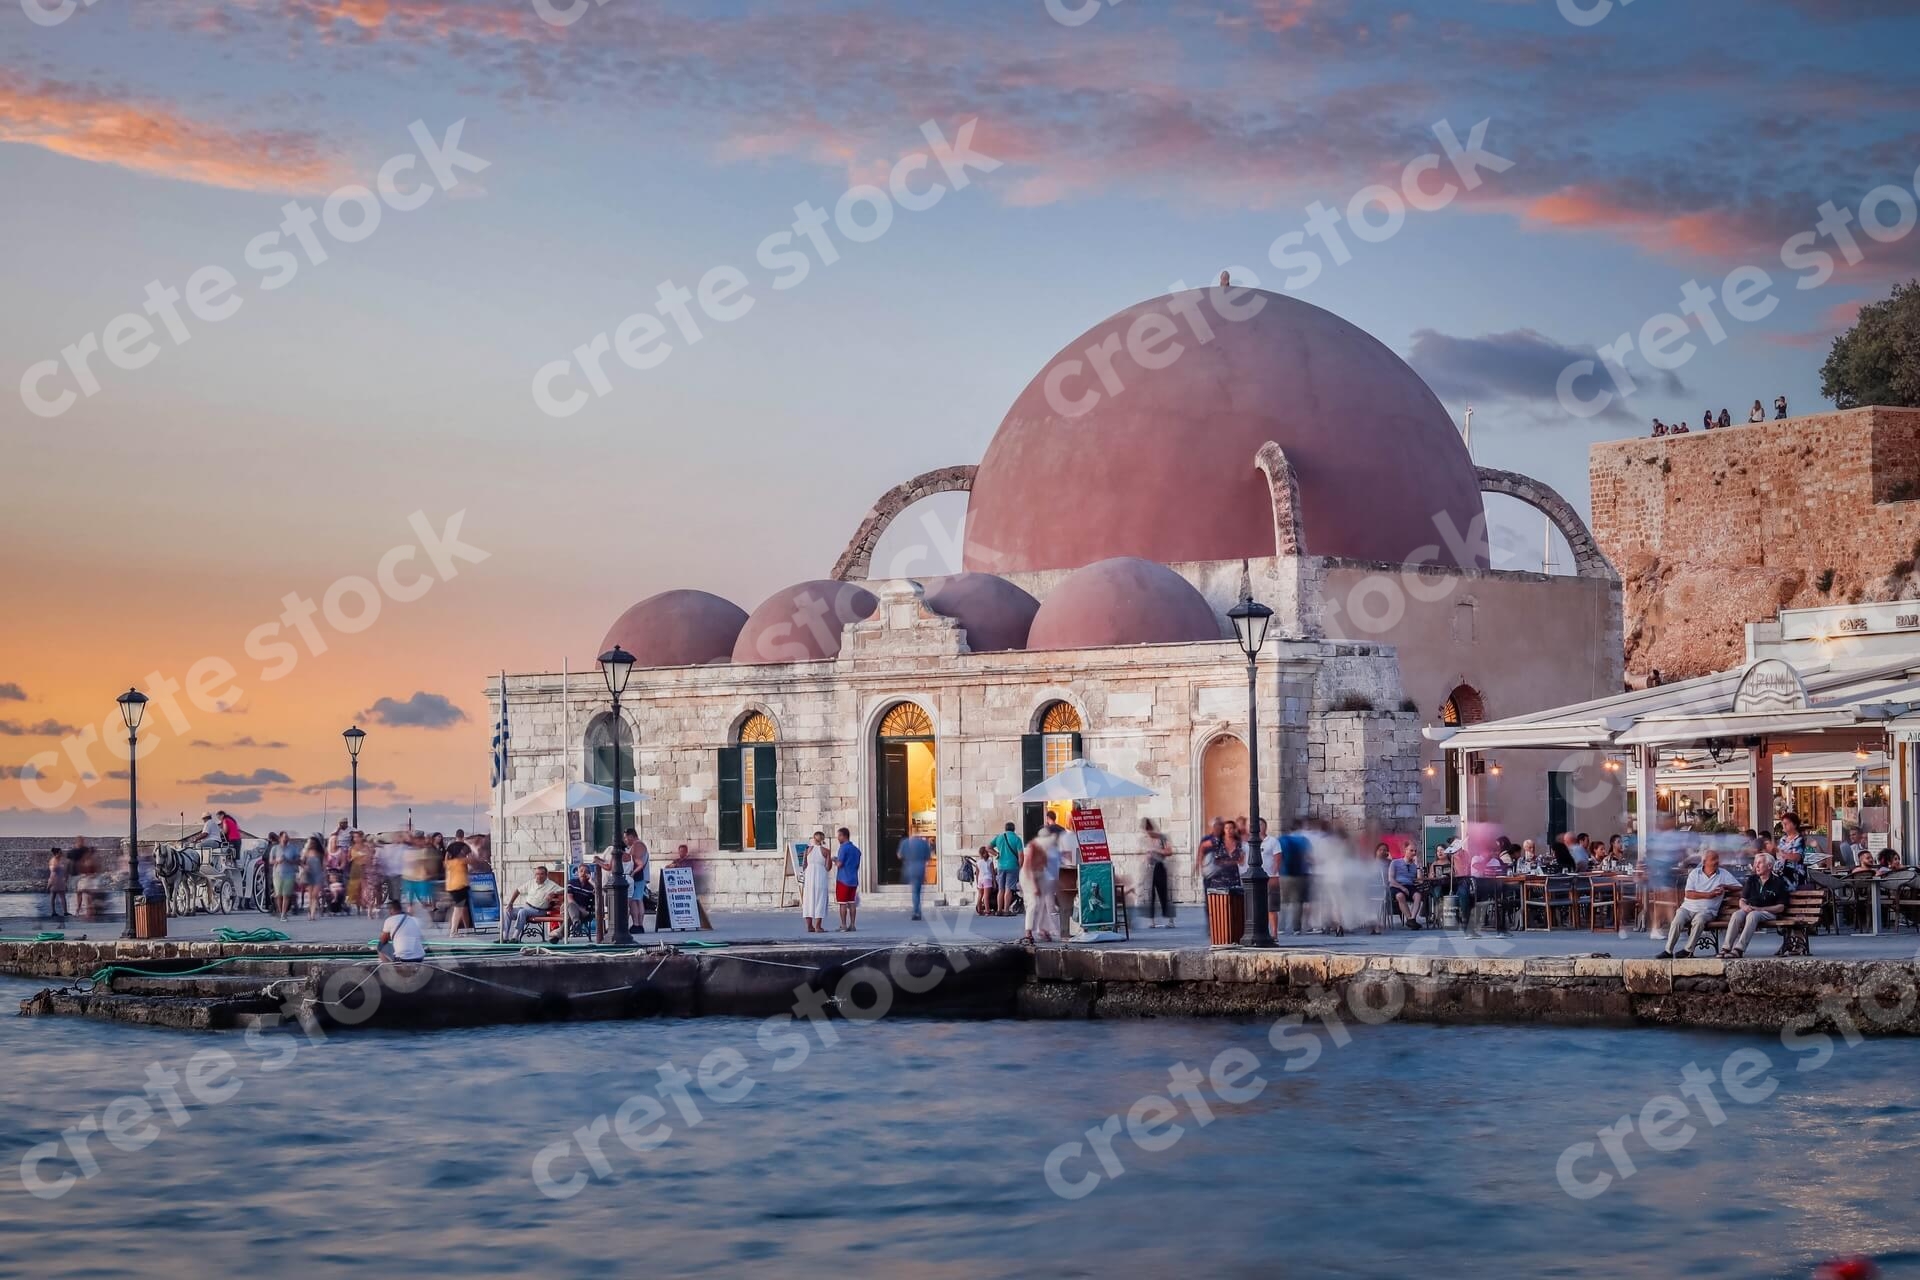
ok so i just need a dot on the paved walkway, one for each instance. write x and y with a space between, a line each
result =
882 926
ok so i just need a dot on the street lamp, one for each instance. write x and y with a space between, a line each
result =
133 705
355 737
1250 620
617 665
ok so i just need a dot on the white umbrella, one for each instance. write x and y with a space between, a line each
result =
1081 781
558 797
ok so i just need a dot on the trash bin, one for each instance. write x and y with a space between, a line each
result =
1226 916
150 918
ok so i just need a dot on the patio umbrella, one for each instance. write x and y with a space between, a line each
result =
557 797
1081 781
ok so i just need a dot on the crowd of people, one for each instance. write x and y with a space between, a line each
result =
1708 422
350 872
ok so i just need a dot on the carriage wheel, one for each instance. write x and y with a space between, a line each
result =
226 898
262 890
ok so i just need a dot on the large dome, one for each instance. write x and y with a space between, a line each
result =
678 629
1122 601
1159 462
803 622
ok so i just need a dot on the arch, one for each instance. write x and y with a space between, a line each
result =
1464 706
856 562
906 720
1588 560
598 769
1283 483
1220 777
1058 715
756 726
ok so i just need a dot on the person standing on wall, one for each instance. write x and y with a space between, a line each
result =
914 853
846 880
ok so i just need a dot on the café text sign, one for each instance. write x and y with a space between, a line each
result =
1837 623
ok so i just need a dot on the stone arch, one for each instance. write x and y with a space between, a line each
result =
856 562
1284 484
1036 721
1588 560
1463 706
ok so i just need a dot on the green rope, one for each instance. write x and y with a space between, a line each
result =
250 935
43 936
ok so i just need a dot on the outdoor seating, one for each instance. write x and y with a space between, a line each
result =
1603 899
1549 894
1804 910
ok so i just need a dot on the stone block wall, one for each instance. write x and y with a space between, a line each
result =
1713 530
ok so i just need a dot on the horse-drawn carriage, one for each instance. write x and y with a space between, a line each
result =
214 878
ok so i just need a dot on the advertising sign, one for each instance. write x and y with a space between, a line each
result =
1437 833
683 903
1096 897
576 838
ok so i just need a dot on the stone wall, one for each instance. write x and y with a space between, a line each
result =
1713 530
23 859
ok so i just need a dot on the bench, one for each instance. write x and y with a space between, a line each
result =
1804 911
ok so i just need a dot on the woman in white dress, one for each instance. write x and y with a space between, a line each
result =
817 890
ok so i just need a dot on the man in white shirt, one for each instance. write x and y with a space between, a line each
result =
400 936
1707 884
537 894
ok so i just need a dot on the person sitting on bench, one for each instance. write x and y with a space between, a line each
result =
538 894
1707 884
1763 899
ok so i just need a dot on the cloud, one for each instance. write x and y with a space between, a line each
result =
258 778
153 139
1839 316
248 796
421 711
345 784
25 772
1520 367
43 822
11 692
244 742
48 728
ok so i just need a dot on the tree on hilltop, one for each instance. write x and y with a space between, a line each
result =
1878 360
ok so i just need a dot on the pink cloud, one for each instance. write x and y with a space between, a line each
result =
161 142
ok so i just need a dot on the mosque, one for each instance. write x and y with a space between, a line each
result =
1220 442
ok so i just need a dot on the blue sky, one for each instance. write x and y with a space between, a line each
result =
1153 143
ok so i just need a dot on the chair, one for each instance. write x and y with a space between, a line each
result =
1603 896
1535 892
1842 900
1892 889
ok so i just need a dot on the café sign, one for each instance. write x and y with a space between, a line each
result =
1839 622
1770 685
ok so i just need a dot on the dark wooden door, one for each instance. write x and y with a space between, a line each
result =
894 816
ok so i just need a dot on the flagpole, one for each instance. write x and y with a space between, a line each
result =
500 788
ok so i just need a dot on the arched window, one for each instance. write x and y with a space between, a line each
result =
906 720
749 787
1462 707
600 770
1046 753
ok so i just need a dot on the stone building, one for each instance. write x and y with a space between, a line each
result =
1183 453
1714 530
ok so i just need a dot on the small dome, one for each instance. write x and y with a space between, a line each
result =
1119 602
678 629
803 622
995 614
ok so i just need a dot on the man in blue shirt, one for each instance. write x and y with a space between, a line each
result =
914 852
846 880
1290 885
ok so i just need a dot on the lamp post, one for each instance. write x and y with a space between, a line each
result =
1250 620
355 737
617 665
133 705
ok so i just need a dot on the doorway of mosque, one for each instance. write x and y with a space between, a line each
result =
906 797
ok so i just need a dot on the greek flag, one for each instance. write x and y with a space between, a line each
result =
501 733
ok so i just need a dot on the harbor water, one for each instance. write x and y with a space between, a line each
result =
921 1149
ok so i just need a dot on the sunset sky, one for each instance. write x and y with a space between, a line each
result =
155 523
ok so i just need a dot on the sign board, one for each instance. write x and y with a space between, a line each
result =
1836 621
683 903
1770 685
1095 897
483 899
576 838
1437 833
799 851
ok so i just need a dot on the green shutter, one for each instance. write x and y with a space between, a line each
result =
730 824
1033 771
766 800
1079 752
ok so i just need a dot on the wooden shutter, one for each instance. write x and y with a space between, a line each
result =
766 799
730 798
1033 771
